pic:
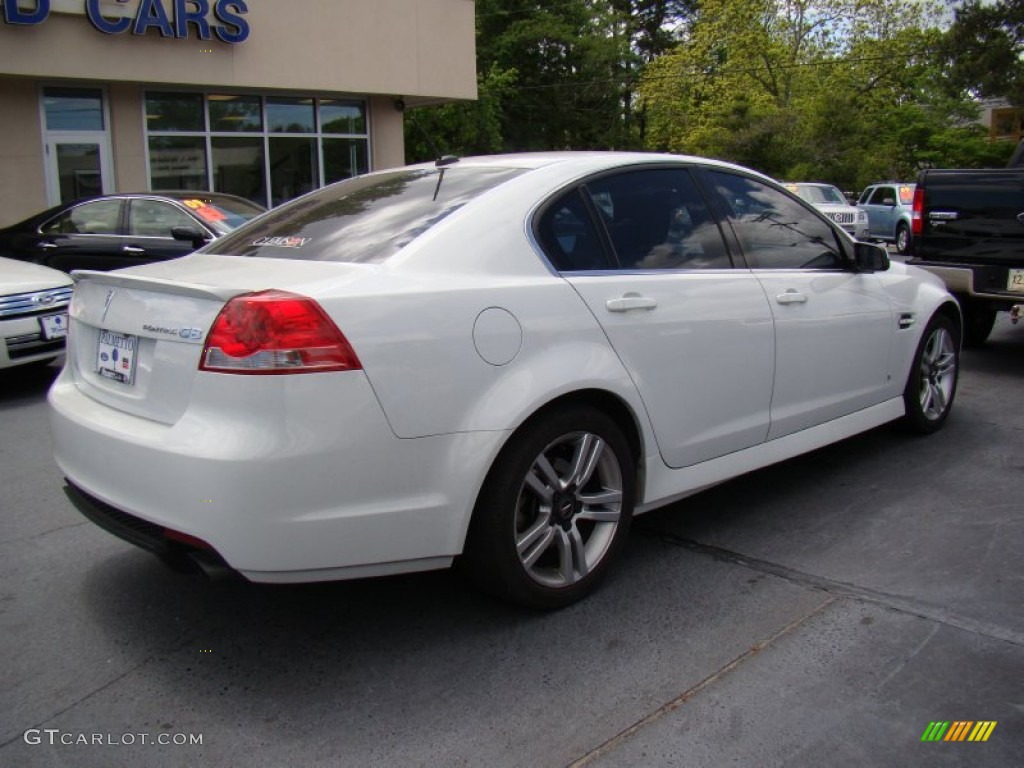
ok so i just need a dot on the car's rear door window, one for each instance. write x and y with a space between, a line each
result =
100 217
657 218
366 219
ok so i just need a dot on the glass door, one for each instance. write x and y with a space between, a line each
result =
77 144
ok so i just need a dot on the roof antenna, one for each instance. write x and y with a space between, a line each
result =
442 159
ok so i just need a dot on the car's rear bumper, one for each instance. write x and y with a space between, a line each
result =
982 282
305 488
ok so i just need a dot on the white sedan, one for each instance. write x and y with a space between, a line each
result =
33 313
493 360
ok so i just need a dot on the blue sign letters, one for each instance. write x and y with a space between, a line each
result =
14 15
230 26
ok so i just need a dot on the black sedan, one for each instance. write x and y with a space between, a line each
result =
123 230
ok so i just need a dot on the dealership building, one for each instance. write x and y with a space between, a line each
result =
266 99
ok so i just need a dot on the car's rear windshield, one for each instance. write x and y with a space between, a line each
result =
366 219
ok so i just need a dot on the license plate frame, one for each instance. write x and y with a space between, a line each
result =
1015 280
116 356
54 326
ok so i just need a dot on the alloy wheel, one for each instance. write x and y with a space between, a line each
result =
568 509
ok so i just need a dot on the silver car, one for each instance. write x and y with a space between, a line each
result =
830 201
888 206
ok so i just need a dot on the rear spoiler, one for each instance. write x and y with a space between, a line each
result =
175 287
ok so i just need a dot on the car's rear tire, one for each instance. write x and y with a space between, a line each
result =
978 322
931 386
903 239
554 510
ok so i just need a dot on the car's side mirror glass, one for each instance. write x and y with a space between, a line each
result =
870 258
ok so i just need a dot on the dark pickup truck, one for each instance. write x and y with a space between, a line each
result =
968 228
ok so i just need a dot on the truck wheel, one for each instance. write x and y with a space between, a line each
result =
978 322
554 510
931 385
903 239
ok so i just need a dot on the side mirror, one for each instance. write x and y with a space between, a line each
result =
869 257
890 201
191 235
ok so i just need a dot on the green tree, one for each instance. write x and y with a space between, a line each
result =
984 50
553 76
847 91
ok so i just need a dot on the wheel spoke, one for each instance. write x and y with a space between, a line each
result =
926 397
601 507
572 560
584 462
945 364
938 399
542 478
535 542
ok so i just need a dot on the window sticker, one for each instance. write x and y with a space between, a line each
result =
204 211
906 195
282 242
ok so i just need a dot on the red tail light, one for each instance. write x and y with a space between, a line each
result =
276 332
917 212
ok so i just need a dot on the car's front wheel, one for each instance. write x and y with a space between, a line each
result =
554 510
931 385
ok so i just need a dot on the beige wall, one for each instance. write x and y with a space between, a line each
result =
127 137
419 49
22 181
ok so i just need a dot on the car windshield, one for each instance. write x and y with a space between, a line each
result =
221 214
819 193
366 219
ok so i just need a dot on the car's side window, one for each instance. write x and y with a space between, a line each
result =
658 219
880 195
154 218
569 238
775 231
96 218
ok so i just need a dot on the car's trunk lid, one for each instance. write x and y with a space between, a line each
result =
137 335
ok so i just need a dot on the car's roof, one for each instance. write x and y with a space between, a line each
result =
580 160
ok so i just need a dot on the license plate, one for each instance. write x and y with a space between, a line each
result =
54 326
1015 281
115 356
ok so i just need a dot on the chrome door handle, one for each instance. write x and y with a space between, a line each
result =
132 250
631 301
48 246
791 297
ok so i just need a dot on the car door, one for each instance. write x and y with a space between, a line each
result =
149 237
834 327
694 332
882 212
85 236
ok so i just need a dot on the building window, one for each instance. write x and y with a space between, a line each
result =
266 149
73 109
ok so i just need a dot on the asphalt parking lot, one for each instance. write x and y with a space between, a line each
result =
824 611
